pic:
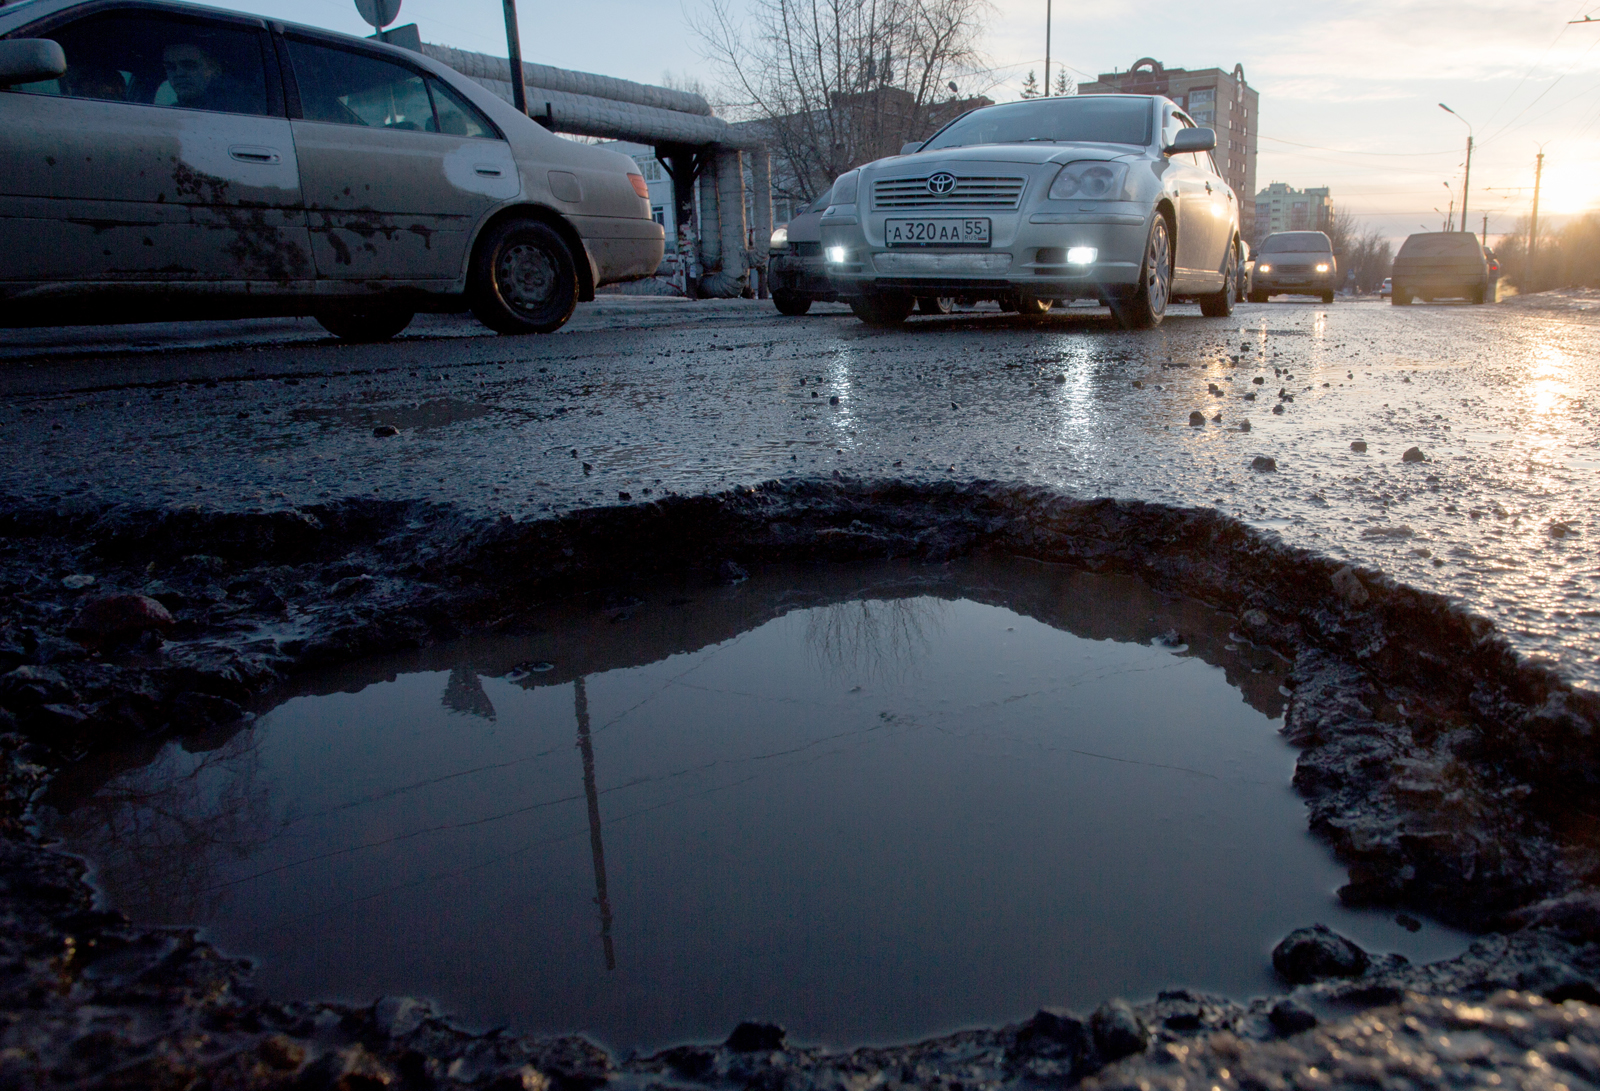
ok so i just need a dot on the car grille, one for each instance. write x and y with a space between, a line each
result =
806 249
971 191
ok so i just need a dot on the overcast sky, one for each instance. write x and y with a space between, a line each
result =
1349 92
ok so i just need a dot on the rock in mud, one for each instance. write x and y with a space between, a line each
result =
1262 464
1244 424
1313 954
757 1038
1197 419
1057 1038
110 618
1413 454
1278 409
194 711
397 1016
1289 1016
1359 446
1349 586
77 581
385 430
1118 1031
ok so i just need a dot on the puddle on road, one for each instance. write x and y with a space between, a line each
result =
871 804
418 416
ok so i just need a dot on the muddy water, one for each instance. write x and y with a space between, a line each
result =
871 805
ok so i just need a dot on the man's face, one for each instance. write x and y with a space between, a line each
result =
190 71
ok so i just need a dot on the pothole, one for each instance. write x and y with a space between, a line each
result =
871 802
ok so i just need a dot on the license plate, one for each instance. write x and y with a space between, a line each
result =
963 232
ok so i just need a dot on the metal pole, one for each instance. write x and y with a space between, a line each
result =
1533 229
519 89
1047 4
1466 181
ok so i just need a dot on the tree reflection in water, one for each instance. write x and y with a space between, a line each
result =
873 640
157 833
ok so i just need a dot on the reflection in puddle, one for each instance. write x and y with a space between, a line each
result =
871 804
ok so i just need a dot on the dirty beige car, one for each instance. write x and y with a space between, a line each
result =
163 160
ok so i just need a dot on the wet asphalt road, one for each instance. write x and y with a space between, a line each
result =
646 397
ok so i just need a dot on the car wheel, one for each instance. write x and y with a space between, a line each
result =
1479 294
929 304
364 324
1220 304
883 311
1147 306
791 305
523 279
1327 297
1400 297
1033 307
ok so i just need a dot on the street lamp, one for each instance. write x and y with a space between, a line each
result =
1467 178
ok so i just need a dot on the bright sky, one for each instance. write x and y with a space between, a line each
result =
1349 92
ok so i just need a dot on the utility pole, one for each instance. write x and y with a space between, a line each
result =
1467 180
1047 5
1533 228
1486 229
519 89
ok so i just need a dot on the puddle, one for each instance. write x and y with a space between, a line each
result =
418 416
872 804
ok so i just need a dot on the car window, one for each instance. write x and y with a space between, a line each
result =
355 88
1296 242
1435 244
162 60
457 116
1098 119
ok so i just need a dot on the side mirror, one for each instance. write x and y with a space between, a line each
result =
1192 140
912 148
29 60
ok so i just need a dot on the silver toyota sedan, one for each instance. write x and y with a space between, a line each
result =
1108 197
163 160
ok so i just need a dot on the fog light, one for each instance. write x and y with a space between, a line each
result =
1082 255
1265 269
1322 268
837 254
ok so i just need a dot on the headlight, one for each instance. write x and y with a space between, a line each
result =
1263 268
1089 181
1323 267
844 189
780 238
837 254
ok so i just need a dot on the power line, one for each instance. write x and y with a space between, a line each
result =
1543 93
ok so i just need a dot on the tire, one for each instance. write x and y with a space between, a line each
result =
1242 291
1479 295
1220 304
523 279
792 305
883 311
1145 309
1327 297
928 304
1399 297
1258 297
1033 307
364 325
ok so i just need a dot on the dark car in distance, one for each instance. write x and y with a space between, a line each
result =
1294 263
1441 265
796 271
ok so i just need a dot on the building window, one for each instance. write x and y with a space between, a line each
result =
650 167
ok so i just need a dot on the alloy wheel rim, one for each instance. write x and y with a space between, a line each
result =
1159 273
526 276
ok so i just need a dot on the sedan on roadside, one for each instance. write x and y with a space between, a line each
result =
796 271
1114 198
166 161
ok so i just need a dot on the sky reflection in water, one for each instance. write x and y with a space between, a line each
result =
910 802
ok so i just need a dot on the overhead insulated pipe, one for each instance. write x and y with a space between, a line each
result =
725 276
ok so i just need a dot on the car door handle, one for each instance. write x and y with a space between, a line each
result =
488 172
248 153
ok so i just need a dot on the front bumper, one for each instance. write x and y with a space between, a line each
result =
1293 282
800 275
1026 256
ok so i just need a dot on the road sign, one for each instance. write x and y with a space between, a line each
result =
380 13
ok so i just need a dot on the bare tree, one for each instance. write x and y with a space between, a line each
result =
837 83
1359 250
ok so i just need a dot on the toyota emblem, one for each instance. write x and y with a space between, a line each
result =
942 183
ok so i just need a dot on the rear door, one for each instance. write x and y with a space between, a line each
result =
162 155
396 168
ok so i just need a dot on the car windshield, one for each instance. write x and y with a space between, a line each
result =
1095 119
1296 242
1457 242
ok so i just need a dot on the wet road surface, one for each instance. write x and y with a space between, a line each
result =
639 398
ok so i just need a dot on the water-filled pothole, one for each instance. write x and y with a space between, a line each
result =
872 804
